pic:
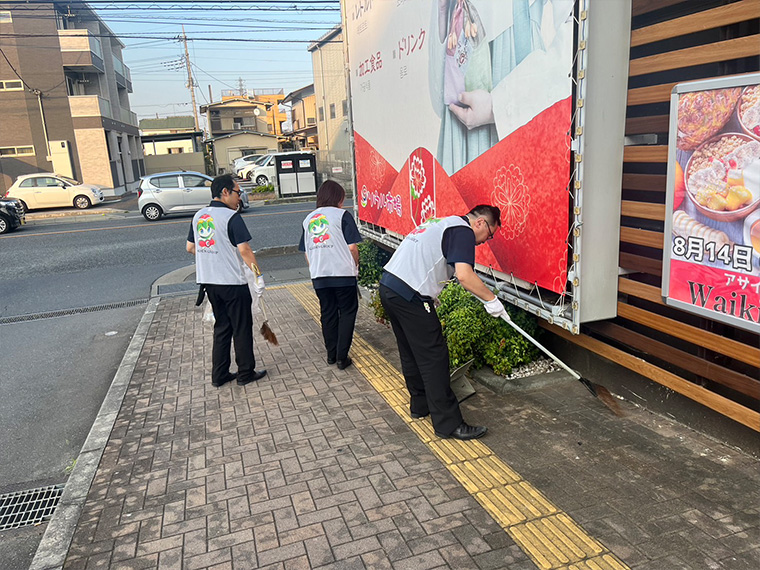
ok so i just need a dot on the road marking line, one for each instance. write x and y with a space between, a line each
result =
143 225
551 539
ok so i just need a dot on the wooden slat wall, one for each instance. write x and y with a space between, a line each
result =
719 364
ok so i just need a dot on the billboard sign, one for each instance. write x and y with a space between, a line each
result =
457 103
712 227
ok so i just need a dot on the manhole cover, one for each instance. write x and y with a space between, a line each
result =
25 508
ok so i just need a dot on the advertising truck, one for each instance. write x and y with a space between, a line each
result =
511 103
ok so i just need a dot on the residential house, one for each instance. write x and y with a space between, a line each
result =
303 118
275 116
236 114
328 62
64 98
226 148
172 143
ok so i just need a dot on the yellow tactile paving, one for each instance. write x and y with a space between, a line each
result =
547 535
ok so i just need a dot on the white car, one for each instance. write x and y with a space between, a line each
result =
263 172
174 192
47 190
243 161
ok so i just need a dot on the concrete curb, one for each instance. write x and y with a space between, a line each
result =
183 273
276 250
54 546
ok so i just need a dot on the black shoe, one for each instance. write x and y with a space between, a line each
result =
465 431
257 375
343 364
229 378
331 360
418 416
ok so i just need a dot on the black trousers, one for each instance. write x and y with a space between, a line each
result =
338 307
232 312
424 359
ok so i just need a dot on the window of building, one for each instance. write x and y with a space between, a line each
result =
311 121
345 107
332 110
176 150
16 151
321 113
11 85
5 17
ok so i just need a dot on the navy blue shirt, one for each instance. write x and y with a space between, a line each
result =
237 231
458 245
351 235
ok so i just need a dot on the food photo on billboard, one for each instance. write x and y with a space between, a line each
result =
712 237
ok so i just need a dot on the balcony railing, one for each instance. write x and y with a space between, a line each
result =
89 106
128 116
81 50
123 75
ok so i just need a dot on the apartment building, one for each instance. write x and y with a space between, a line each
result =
334 158
303 118
64 98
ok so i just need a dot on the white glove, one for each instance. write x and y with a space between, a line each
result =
495 308
258 285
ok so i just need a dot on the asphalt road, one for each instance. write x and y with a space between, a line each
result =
56 369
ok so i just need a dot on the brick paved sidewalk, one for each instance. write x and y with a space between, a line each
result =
314 467
308 467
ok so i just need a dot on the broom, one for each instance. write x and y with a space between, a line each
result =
599 392
265 329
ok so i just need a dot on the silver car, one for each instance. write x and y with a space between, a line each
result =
176 192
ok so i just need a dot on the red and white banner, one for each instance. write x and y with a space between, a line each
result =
464 102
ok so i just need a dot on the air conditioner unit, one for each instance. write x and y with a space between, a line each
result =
237 126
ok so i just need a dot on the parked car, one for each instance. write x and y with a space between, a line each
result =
175 192
47 190
11 215
244 161
263 172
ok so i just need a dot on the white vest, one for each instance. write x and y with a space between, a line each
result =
217 261
419 260
326 245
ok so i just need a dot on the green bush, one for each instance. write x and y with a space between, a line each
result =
371 262
471 333
262 189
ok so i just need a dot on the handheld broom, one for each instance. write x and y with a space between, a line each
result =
265 329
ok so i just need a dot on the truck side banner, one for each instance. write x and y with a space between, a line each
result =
457 103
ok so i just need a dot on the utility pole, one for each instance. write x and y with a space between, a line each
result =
190 82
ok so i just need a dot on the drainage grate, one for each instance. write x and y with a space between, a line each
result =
25 508
67 312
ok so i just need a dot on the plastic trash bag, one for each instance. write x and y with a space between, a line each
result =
208 312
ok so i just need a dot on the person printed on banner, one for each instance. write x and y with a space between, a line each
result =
330 241
413 278
486 51
219 239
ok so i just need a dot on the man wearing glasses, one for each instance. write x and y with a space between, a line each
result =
219 239
416 274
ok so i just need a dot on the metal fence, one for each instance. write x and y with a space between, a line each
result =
335 165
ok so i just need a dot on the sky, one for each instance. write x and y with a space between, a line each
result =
228 41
